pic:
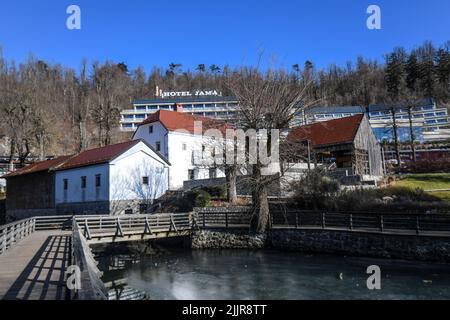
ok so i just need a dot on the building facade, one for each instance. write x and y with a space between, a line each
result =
217 107
116 179
347 146
174 135
430 122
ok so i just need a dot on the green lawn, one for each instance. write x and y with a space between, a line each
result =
428 181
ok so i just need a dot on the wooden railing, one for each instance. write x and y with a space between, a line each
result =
91 285
419 224
12 233
122 225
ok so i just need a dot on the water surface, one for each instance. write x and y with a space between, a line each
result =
261 275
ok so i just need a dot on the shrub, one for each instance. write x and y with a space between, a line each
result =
315 190
215 191
202 199
195 198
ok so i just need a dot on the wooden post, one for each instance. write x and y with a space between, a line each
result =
5 232
381 224
296 220
351 221
323 221
417 225
204 220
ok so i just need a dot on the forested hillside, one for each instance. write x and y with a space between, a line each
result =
49 109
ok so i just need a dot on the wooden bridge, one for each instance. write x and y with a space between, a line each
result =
36 253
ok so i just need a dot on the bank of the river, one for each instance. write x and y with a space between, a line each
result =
409 247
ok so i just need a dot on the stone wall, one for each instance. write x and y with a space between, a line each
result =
222 239
83 208
406 247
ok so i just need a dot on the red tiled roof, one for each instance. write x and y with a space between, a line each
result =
97 156
181 121
39 167
337 131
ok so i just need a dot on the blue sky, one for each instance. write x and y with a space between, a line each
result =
148 33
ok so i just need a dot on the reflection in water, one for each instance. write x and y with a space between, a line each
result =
241 274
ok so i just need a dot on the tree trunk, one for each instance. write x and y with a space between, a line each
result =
412 135
260 222
82 136
41 147
231 176
395 129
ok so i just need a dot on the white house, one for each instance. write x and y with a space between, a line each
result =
121 178
176 136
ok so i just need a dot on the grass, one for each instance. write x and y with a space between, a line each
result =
428 181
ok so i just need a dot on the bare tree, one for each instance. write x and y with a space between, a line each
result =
267 101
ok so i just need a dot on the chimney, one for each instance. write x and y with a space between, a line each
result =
157 91
179 108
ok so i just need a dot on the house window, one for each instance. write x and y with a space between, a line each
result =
83 182
98 180
145 181
158 146
150 129
66 187
191 174
184 147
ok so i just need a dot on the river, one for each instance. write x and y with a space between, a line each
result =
262 275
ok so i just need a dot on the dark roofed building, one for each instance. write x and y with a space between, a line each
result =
109 180
347 144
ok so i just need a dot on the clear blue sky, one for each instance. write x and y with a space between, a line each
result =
148 33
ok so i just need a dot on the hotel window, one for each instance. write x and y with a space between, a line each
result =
145 181
158 146
128 116
83 182
141 108
198 106
150 129
98 180
153 107
439 114
140 116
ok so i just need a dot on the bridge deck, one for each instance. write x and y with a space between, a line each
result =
34 268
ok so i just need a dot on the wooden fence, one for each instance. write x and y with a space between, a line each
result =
12 233
91 285
419 224
122 225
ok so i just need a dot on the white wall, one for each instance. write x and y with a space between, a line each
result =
74 192
159 135
121 179
182 160
172 147
128 170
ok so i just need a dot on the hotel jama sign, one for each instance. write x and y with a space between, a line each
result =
197 93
